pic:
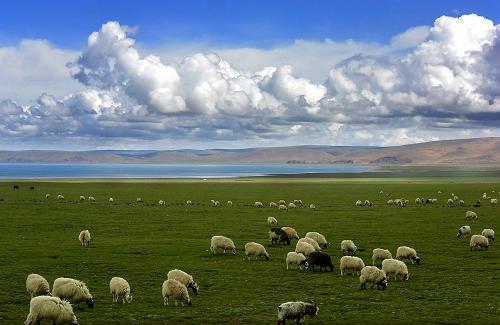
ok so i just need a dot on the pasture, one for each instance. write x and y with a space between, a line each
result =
142 242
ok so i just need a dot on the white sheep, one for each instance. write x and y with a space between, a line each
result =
91 199
298 202
258 204
215 203
291 232
161 203
283 207
312 206
229 203
450 202
304 248
291 205
312 242
189 202
464 231
37 285
73 290
461 203
455 198
272 221
478 241
296 310
319 238
418 201
175 289
84 237
47 196
367 203
184 278
494 201
282 202
139 200
273 205
82 198
390 202
60 197
380 254
405 253
120 288
359 203
222 242
255 249
434 200
111 200
348 248
50 308
489 233
352 263
373 275
396 267
295 258
470 215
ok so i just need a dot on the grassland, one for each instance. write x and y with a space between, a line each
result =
142 242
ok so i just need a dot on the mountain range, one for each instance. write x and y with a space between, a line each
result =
446 152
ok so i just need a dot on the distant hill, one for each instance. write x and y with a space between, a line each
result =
450 152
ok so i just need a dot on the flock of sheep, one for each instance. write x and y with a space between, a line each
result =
56 305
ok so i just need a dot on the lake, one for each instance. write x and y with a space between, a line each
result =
40 171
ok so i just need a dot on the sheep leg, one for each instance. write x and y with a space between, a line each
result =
175 302
165 301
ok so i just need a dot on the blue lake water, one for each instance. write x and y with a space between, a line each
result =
166 171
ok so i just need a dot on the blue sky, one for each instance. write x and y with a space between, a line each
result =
233 74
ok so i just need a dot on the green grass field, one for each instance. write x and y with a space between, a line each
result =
143 242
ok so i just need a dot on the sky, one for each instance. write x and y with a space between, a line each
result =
79 75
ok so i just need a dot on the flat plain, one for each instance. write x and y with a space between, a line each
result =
142 242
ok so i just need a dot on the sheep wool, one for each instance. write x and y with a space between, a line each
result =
120 288
291 232
380 254
312 242
73 290
312 206
111 200
489 233
175 289
348 248
407 253
464 231
396 267
82 198
295 258
283 207
273 205
304 248
258 204
255 249
229 203
50 308
470 215
272 221
84 237
223 243
479 241
374 276
184 278
292 205
60 197
296 310
37 285
319 238
351 263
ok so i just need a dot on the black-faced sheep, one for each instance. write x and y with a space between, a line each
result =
296 310
278 236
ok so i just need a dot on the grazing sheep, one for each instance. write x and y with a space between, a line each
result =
291 205
390 202
84 237
348 248
439 192
470 215
489 233
272 221
73 290
283 207
373 275
494 201
485 196
450 202
111 200
321 259
120 288
296 310
295 258
32 188
312 206
184 278
380 254
175 289
407 253
255 249
215 203
381 192
461 203
278 235
298 202
258 204
50 308
37 285
304 248
396 267
189 202
464 231
47 196
418 201
60 197
455 198
229 203
359 203
434 200
312 242
367 203
292 233
139 200
351 263
91 199
479 241
282 202
222 242
273 205
161 203
319 238
82 198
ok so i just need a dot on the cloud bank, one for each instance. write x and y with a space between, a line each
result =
429 83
